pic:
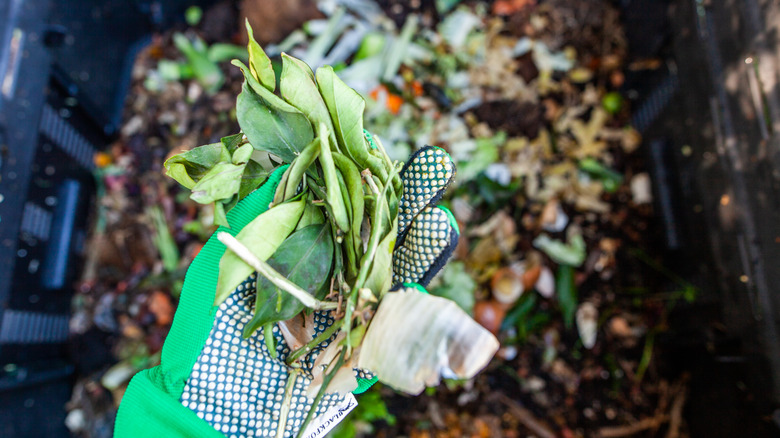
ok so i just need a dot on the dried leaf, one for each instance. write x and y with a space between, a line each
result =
414 339
344 381
298 331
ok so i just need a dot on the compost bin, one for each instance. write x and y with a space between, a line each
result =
701 80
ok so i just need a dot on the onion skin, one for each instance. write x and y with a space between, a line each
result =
490 314
506 286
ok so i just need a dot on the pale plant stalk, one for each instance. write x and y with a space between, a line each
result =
285 410
272 274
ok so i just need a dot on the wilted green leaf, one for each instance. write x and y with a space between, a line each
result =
345 107
312 215
259 63
567 293
189 167
166 245
232 142
373 44
571 253
333 195
415 338
254 175
456 284
380 276
608 177
220 52
220 215
192 15
262 235
242 154
305 258
270 123
485 154
221 182
299 90
206 72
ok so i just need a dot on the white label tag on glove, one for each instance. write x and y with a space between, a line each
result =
324 423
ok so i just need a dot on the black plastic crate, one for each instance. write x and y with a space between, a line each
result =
64 72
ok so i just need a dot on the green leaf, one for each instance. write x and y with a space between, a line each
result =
571 253
206 72
517 315
457 285
312 215
192 15
166 245
232 142
299 90
295 173
259 63
380 277
305 258
270 123
242 154
333 190
400 48
262 235
354 189
373 44
483 156
221 182
254 175
220 216
567 293
189 167
608 177
220 52
345 107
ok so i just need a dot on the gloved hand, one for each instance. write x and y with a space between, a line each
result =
212 381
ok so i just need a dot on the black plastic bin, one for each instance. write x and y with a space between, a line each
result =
711 125
64 71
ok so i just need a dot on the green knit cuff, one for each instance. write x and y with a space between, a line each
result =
364 384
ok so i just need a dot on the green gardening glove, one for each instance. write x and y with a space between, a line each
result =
213 382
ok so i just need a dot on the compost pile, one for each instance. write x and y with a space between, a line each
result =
555 256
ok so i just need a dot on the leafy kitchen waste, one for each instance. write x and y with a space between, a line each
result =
327 241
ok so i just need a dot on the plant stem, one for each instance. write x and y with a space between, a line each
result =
367 176
321 393
327 333
272 274
285 411
368 258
